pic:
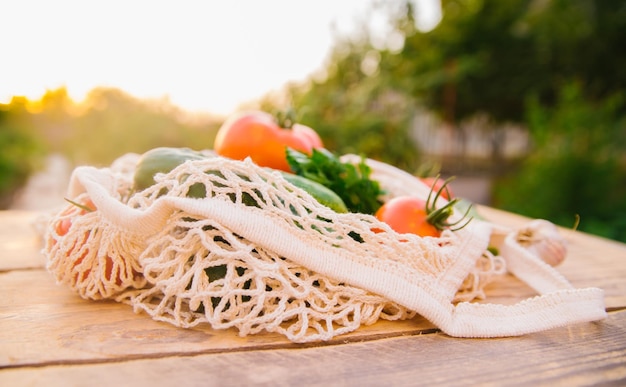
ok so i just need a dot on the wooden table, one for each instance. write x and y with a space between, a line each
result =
49 336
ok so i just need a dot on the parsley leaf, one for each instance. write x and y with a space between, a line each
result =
350 182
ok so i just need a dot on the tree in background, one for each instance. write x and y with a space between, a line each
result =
108 124
511 61
555 66
20 150
113 123
355 107
577 166
489 56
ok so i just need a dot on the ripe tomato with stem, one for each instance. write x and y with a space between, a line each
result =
265 138
411 214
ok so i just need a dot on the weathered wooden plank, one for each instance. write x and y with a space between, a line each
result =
584 354
20 243
42 323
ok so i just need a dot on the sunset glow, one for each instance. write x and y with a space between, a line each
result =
202 56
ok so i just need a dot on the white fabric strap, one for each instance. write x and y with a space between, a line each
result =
552 310
557 304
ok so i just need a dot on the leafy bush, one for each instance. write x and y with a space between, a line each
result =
108 124
19 155
577 166
354 110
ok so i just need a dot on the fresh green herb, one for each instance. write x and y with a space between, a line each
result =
352 183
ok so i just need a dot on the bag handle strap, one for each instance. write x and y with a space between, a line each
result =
557 304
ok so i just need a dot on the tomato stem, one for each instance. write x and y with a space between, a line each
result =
287 118
576 222
81 206
438 217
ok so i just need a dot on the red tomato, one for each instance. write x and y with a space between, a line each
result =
63 227
108 268
407 214
259 136
436 184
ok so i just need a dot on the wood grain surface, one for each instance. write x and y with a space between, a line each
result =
585 354
50 336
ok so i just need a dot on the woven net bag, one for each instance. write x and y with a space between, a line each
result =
258 254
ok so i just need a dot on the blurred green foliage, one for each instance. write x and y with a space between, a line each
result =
107 125
356 108
577 167
110 123
20 153
556 67
490 55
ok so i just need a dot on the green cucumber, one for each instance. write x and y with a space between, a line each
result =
160 160
163 160
322 194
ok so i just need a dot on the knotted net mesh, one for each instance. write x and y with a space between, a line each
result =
192 269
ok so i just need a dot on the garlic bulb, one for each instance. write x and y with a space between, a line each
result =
542 238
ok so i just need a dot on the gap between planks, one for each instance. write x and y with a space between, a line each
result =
212 351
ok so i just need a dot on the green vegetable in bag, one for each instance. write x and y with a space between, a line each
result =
163 160
160 160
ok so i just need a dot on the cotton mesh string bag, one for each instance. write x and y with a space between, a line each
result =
233 245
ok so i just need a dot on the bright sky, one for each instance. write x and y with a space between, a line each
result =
203 55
